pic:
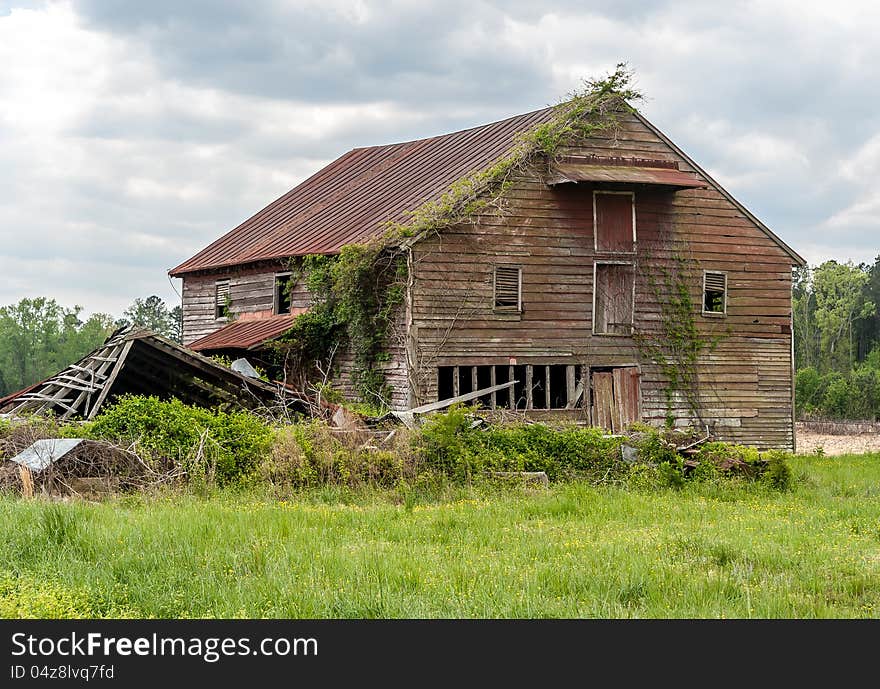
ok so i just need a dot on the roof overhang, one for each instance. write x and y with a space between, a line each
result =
570 169
247 334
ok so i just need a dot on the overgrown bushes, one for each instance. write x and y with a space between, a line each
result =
455 446
225 446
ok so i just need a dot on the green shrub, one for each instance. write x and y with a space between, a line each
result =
227 445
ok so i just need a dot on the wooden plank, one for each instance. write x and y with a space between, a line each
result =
511 393
456 387
492 383
569 386
108 385
603 400
529 399
547 397
467 397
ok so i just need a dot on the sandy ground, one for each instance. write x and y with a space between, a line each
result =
856 443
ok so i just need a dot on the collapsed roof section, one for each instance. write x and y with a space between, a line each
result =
135 361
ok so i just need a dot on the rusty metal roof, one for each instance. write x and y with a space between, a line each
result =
352 198
247 333
626 170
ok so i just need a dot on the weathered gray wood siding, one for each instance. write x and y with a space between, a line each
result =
251 292
745 383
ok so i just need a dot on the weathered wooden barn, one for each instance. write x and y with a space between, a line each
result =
612 278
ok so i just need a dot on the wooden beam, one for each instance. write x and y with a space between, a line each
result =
511 393
468 396
492 382
108 385
529 373
569 387
546 387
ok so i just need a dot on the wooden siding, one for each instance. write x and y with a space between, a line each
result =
251 294
745 382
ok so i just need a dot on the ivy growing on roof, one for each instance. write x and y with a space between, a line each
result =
358 292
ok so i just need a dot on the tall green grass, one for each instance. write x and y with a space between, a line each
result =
710 549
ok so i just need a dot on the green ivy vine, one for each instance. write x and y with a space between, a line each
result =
357 293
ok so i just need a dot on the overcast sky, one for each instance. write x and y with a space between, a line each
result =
134 133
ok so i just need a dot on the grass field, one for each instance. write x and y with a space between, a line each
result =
708 550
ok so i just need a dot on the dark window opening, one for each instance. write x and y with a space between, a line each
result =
221 299
519 389
508 288
445 388
538 386
484 380
613 299
282 294
714 293
465 380
614 221
558 385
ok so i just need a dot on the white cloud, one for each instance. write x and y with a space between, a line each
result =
133 135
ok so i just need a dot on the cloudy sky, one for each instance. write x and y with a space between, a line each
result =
134 133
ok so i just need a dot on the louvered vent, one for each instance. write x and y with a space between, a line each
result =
507 288
221 301
715 293
716 282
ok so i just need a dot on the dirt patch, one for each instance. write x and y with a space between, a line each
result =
837 439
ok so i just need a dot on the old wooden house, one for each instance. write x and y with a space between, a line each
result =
612 278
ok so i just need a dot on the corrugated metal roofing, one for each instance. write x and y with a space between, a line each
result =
43 453
246 334
561 173
352 198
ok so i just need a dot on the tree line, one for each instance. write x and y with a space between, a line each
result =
39 336
836 316
835 311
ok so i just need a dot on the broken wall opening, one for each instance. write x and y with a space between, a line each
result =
538 386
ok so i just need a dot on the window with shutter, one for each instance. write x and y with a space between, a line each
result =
221 299
614 221
508 288
613 286
714 293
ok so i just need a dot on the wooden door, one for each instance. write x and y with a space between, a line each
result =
616 398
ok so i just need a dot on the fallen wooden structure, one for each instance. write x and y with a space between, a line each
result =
140 362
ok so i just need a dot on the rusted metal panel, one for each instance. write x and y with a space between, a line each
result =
351 199
624 170
247 333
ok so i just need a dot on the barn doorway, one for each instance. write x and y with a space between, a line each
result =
615 396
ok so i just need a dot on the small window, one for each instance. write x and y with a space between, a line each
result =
283 286
714 293
614 221
221 299
508 289
613 299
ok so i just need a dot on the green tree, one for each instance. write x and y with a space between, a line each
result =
153 314
803 307
867 330
39 337
840 302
